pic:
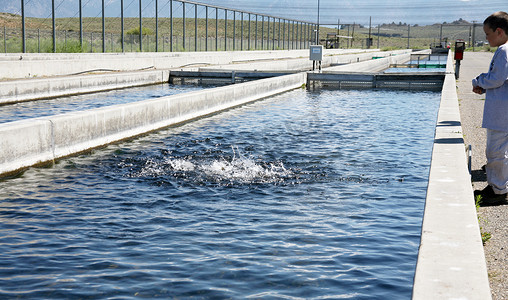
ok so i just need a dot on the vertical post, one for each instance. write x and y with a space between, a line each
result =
122 33
378 34
370 26
408 28
353 34
195 27
103 28
256 34
39 40
474 31
262 32
140 29
284 34
317 23
23 46
183 33
248 41
278 41
53 21
241 32
440 33
216 29
81 25
206 28
226 29
156 26
268 38
171 25
234 29
5 40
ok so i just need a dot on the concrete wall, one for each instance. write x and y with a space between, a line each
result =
451 261
29 142
29 65
23 90
12 91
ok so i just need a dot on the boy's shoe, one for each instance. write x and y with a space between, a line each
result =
489 198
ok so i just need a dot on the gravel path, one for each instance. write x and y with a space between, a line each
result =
494 219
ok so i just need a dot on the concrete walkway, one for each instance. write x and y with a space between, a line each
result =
494 219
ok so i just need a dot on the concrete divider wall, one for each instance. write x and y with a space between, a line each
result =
375 65
451 261
39 65
25 90
29 142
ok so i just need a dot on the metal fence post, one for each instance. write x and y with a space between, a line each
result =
248 41
263 47
241 32
156 26
183 8
226 29
206 28
234 30
140 29
81 25
256 35
53 22
103 29
171 25
122 37
216 29
408 28
195 27
23 46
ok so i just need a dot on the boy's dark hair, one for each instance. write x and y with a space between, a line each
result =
497 20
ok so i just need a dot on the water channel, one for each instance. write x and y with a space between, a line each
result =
308 194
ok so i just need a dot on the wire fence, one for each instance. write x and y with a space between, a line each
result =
180 25
157 25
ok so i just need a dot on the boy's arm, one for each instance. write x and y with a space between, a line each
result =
497 74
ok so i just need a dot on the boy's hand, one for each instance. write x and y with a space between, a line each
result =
478 90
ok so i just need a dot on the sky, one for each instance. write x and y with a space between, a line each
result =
421 12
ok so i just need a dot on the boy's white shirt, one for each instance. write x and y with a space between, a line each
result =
495 82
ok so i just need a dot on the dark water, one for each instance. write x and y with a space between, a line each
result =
304 195
42 108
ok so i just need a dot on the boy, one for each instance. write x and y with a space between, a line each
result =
495 113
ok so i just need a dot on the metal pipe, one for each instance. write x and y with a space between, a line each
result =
248 41
278 41
408 28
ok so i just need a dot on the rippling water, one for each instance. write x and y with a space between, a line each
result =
304 195
42 108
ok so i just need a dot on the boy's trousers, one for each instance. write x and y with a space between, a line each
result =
497 160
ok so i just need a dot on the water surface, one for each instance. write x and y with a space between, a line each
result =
303 195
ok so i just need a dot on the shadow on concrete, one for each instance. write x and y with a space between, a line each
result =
448 123
449 141
478 176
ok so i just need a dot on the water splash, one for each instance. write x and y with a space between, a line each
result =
235 169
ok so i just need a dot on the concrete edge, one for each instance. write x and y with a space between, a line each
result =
451 260
43 88
34 141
